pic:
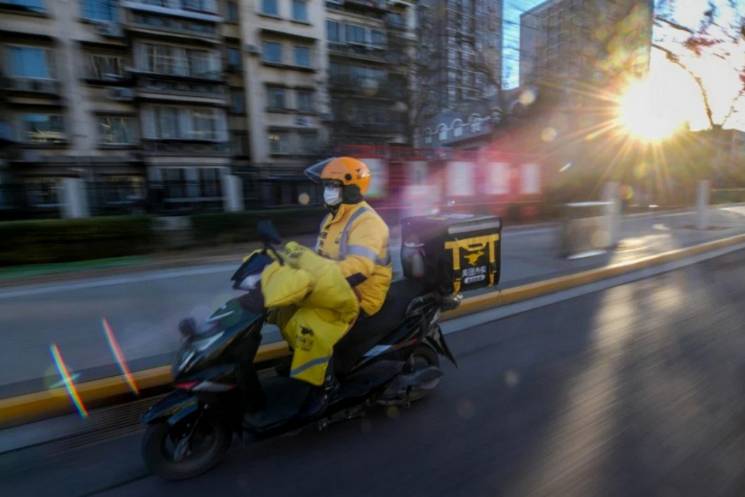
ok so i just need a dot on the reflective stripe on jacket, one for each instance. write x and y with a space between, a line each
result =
357 237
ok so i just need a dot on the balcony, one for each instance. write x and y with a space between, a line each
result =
179 27
378 5
367 87
181 88
393 21
189 9
358 51
184 146
43 87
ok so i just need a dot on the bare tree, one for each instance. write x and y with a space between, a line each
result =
713 39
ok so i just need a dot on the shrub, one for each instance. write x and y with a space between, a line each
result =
60 240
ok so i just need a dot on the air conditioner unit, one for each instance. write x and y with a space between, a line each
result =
252 49
122 94
111 77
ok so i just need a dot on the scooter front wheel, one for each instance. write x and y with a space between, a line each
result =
186 449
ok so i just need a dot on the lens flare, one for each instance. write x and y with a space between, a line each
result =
67 380
116 350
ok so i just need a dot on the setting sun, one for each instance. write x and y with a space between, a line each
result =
642 112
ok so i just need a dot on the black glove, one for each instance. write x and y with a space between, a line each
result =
253 301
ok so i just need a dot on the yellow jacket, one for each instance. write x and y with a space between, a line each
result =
313 305
357 237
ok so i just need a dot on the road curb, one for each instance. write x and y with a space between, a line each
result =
49 403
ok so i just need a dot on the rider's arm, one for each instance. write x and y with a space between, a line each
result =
367 238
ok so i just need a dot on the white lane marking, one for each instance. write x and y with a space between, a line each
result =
489 315
115 280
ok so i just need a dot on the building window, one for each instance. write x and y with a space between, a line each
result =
272 52
231 12
270 7
35 5
199 5
106 67
308 142
204 124
199 63
355 34
173 123
167 122
41 128
305 100
174 181
300 10
302 56
238 144
276 98
162 59
28 62
333 31
279 142
209 182
378 38
99 10
165 59
237 101
42 192
116 130
234 59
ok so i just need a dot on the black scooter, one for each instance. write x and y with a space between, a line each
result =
391 358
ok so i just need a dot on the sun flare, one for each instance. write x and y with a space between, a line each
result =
643 114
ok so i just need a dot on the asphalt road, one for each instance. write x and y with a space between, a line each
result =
144 308
632 391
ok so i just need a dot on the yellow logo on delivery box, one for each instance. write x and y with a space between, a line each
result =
474 257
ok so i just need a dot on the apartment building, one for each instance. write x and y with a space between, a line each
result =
459 67
576 46
134 96
369 51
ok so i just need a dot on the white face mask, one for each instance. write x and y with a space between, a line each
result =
332 195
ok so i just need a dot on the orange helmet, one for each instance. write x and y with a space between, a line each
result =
348 171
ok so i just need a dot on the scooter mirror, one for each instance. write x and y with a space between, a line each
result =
268 233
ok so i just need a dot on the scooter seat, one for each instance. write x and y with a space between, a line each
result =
372 330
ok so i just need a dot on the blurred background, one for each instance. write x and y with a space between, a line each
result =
141 140
114 110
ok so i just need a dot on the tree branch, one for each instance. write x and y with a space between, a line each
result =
673 24
733 107
675 59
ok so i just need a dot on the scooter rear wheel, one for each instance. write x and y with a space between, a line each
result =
185 450
422 357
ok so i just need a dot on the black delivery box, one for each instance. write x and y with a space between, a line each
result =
452 252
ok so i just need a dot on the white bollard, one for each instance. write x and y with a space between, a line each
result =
702 205
74 200
612 212
232 193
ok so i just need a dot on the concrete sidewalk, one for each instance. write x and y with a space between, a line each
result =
144 306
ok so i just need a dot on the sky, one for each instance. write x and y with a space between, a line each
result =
511 48
671 84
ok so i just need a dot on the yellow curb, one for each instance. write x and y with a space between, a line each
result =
54 402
